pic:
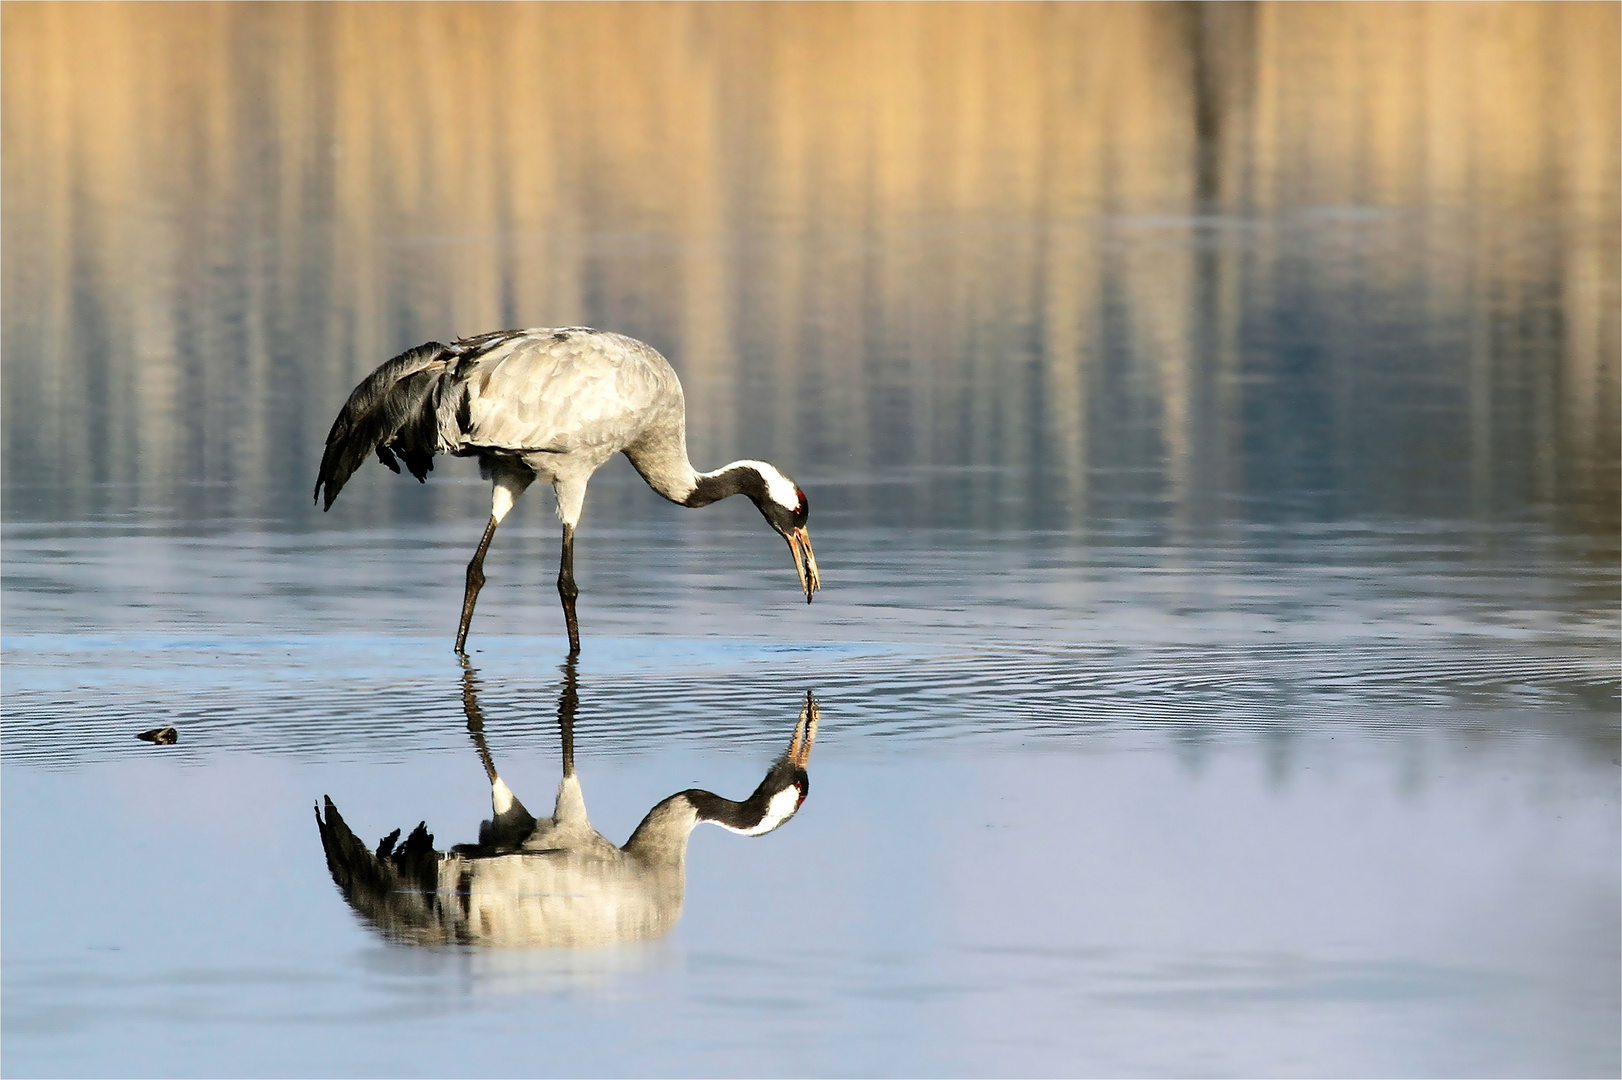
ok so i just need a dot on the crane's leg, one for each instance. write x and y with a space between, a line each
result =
510 824
571 804
475 582
568 704
571 492
508 482
567 590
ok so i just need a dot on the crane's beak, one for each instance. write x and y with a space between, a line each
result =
805 561
805 733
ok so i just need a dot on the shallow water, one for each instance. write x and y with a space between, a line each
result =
1209 420
1295 801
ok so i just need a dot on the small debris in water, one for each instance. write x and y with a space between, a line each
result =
163 736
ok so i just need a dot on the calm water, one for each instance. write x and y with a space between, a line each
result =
1210 423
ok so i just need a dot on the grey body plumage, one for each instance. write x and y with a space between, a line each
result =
550 404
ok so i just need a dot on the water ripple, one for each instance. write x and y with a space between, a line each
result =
79 699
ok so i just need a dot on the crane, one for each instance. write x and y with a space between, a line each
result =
553 404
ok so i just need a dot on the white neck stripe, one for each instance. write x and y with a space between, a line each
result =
779 488
780 809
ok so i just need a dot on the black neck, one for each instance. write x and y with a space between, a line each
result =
662 835
734 815
739 480
752 811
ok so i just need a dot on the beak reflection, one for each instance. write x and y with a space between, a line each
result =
805 733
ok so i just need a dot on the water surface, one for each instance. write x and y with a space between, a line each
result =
1209 420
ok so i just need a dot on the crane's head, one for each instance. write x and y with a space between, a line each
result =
779 796
785 509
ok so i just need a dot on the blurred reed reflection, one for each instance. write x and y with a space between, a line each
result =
1364 255
552 882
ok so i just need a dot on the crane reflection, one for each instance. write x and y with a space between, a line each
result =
552 881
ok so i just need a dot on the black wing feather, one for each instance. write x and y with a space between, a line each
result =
396 888
385 413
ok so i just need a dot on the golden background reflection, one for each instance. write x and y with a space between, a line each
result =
1227 248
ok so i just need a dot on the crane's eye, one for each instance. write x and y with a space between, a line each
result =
804 789
799 505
